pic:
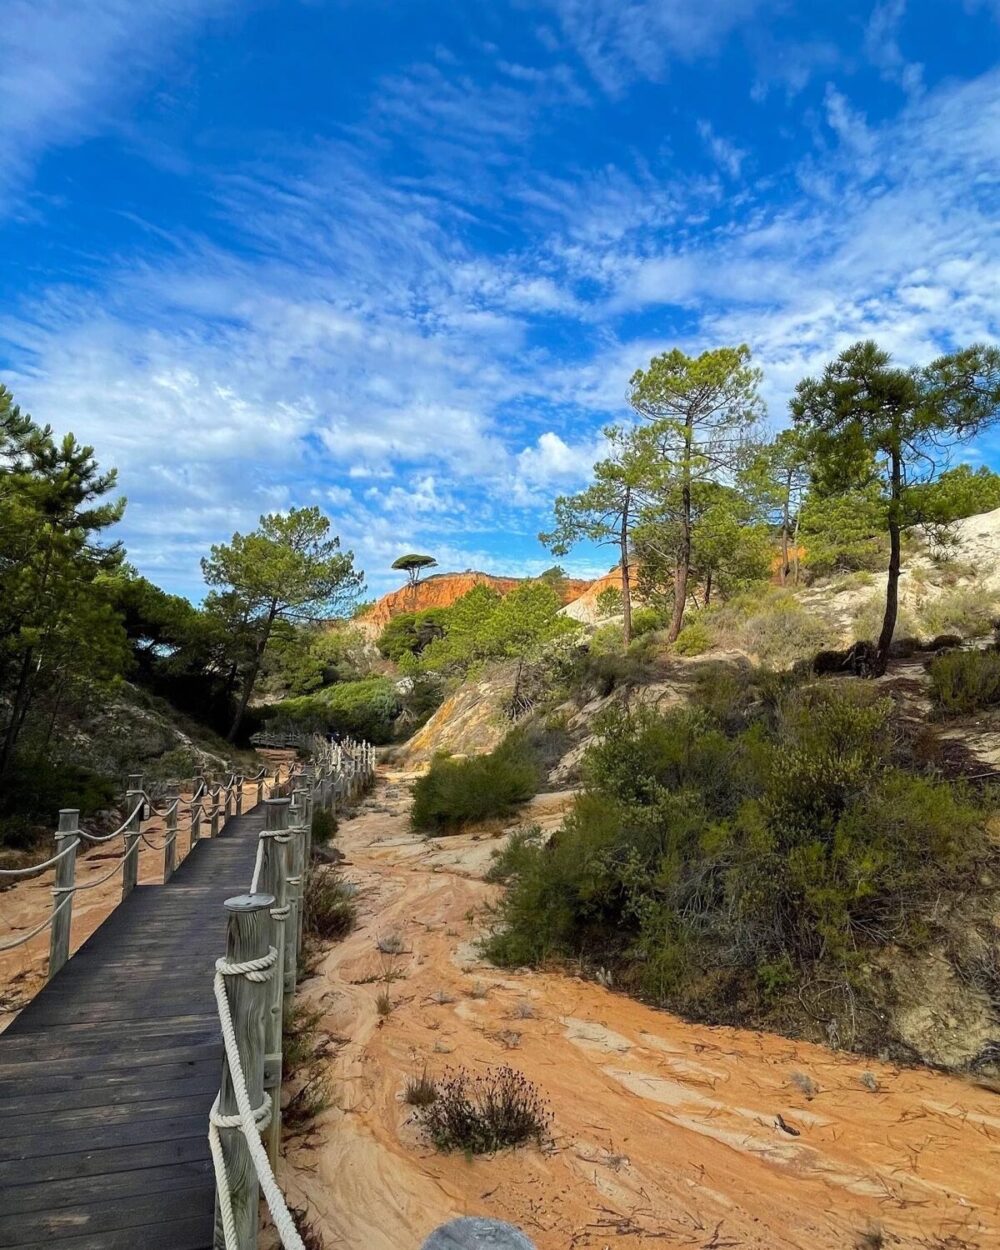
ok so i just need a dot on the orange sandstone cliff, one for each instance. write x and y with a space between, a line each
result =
441 591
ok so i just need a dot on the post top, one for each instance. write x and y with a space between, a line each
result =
249 902
277 802
67 811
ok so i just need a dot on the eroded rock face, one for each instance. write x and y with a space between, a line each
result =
470 722
441 591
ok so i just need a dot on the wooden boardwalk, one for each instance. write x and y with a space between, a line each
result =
108 1075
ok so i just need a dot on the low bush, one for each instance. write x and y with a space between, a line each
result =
364 709
767 622
329 908
721 859
33 794
324 826
964 611
965 681
420 1091
694 639
455 792
481 1114
507 862
645 621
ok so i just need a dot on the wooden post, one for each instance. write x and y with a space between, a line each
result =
213 818
296 891
195 822
247 938
130 864
273 880
170 845
69 823
300 801
239 797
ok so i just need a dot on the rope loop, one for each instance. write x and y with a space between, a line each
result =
252 969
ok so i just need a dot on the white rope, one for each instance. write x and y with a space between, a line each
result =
26 872
250 1119
26 937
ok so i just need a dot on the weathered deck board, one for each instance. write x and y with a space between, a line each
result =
107 1076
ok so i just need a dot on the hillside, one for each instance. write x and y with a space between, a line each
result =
442 589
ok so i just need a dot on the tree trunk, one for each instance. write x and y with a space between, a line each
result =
626 584
18 711
895 563
684 552
258 658
795 547
708 588
784 535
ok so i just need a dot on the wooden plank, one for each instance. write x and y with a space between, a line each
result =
42 1098
187 1233
195 1199
101 1162
118 1187
24 1128
107 1077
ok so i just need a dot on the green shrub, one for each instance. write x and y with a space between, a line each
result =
364 709
33 794
508 861
645 621
767 622
480 1114
330 910
964 611
324 826
455 792
965 681
607 640
694 639
719 860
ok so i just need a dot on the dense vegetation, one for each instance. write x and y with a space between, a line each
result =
752 857
454 792
704 501
481 625
77 622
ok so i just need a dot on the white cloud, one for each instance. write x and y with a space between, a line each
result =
622 40
726 154
883 50
66 63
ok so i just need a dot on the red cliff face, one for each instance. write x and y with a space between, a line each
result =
441 591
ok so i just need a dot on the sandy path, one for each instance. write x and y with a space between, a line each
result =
665 1133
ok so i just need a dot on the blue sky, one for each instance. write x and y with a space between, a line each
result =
399 259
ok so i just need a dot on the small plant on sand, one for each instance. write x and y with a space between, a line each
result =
873 1238
383 1004
484 1113
312 1239
324 826
330 909
420 1091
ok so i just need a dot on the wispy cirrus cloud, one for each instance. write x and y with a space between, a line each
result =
66 64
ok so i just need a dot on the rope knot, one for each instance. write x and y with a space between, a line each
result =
252 969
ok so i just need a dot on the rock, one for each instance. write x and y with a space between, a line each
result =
477 1234
328 855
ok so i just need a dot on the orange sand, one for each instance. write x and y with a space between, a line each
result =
665 1133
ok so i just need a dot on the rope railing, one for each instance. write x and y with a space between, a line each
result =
226 799
254 984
